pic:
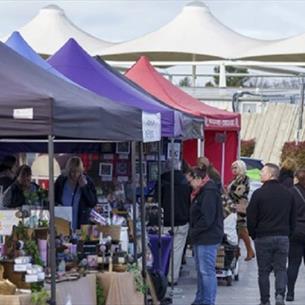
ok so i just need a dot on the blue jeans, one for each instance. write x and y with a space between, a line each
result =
205 260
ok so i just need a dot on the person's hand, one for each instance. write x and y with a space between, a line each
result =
82 181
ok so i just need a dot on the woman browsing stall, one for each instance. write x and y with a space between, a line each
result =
22 191
75 189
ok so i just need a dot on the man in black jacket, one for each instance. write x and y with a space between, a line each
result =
271 220
182 195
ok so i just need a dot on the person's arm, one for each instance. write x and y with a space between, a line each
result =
252 214
13 197
208 209
88 192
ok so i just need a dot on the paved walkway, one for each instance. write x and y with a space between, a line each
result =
243 292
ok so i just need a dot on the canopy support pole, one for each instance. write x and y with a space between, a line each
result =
134 200
52 220
172 192
300 123
194 76
159 204
238 145
223 157
222 76
143 229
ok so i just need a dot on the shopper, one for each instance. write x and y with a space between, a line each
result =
238 191
297 240
182 192
288 168
271 219
206 233
20 192
8 169
74 188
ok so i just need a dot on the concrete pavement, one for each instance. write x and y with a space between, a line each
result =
243 292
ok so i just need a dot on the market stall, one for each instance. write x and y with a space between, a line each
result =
221 128
36 105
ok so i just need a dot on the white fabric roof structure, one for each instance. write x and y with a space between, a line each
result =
50 29
290 49
194 35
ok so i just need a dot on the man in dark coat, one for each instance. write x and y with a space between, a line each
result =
271 220
182 193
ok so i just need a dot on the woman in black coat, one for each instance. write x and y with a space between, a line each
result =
206 233
75 189
297 240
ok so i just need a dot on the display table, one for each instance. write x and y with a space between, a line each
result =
119 288
166 246
22 299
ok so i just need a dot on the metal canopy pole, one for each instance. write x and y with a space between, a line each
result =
172 210
159 204
300 123
143 230
52 220
223 158
134 199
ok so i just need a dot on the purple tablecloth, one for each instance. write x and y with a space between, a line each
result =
166 246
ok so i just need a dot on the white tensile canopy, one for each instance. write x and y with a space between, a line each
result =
50 29
290 49
194 35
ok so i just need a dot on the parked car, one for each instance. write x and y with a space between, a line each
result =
254 167
253 163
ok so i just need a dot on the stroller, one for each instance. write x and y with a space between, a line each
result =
227 265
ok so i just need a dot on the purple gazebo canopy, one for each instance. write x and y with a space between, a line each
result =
72 61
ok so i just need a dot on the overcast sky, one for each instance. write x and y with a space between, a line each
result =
115 20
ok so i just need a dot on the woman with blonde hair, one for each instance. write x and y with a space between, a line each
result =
238 191
74 188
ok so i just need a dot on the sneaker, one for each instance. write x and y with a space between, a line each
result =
268 303
289 297
279 300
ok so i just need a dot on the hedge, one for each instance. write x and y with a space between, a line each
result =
247 147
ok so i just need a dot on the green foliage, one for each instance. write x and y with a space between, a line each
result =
31 249
40 297
209 84
247 147
21 232
100 297
233 81
294 151
39 196
185 82
138 279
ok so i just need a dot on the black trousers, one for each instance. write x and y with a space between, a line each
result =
271 254
296 253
